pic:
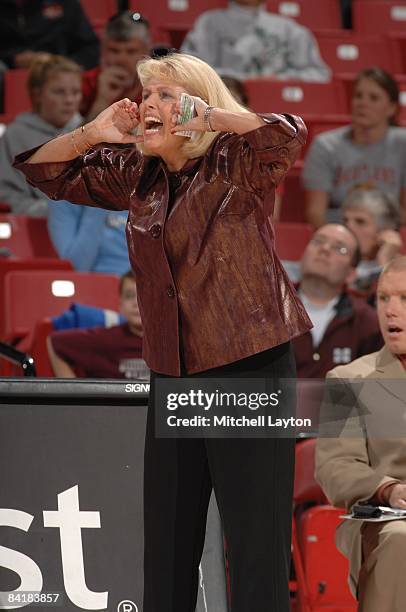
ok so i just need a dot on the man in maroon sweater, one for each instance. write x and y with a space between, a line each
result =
99 352
345 327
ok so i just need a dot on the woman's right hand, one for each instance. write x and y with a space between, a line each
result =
115 124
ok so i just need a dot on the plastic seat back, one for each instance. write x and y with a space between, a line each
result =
30 296
314 14
291 239
25 237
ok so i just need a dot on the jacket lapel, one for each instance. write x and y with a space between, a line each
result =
390 373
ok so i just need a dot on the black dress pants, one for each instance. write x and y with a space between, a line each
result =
253 483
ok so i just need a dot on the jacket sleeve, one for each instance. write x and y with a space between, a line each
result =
259 159
104 177
342 463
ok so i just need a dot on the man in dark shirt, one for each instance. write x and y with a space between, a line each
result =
98 352
59 27
345 327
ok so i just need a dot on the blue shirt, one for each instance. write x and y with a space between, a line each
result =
91 238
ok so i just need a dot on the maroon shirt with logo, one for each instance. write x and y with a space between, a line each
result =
352 333
100 352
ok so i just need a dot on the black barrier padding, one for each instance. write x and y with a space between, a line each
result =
94 451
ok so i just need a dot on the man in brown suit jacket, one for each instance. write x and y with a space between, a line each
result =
368 461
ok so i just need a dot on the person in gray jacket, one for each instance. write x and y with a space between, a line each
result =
247 38
54 84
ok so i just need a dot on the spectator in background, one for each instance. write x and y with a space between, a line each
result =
374 219
370 153
345 327
237 88
126 40
29 27
247 38
54 85
114 352
92 238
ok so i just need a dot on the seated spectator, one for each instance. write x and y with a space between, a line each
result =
93 239
126 40
29 27
54 85
100 352
365 460
370 153
247 38
345 327
374 219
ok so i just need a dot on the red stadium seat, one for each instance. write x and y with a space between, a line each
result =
321 570
16 98
99 11
378 16
293 203
297 97
171 19
291 239
316 125
325 569
315 14
37 348
25 237
352 53
17 265
32 295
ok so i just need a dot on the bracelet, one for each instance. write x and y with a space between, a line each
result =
206 119
87 145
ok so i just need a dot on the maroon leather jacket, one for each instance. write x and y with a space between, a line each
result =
201 241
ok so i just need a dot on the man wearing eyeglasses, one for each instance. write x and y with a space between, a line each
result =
125 41
345 327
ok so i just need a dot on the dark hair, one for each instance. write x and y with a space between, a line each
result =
237 86
126 25
384 80
124 277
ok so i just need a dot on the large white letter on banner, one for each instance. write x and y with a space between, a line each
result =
28 571
70 520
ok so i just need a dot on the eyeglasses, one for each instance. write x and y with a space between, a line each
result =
337 247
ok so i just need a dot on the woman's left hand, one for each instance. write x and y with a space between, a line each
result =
197 124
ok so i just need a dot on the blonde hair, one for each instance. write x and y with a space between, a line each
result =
43 68
397 264
198 79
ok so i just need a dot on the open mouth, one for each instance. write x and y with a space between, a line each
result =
152 124
394 330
